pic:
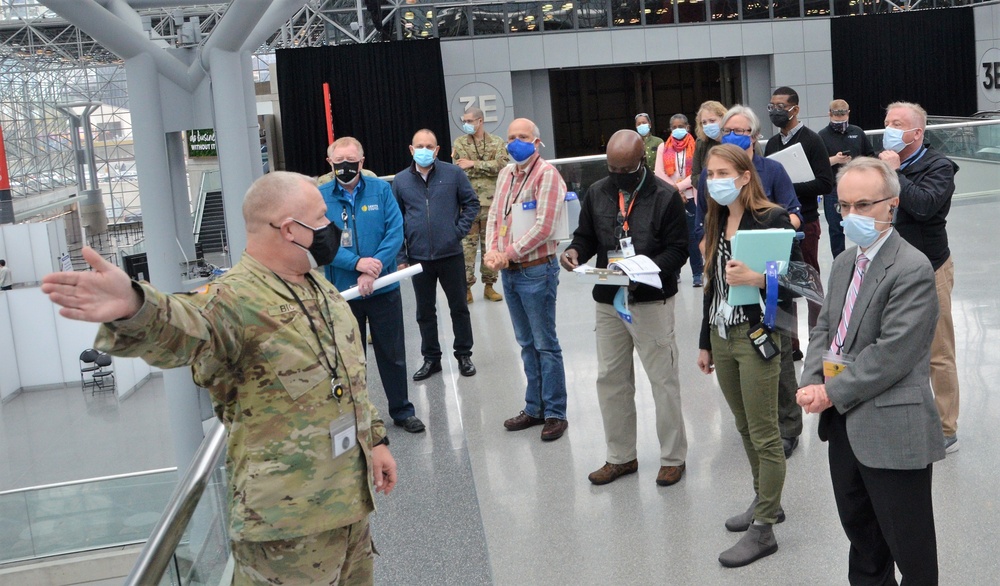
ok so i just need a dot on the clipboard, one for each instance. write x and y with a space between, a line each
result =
755 248
795 162
594 276
524 215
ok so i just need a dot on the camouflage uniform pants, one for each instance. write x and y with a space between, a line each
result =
339 557
475 244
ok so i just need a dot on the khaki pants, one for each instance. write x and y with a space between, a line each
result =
750 385
474 245
339 557
653 338
944 373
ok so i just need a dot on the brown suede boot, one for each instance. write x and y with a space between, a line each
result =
490 294
468 295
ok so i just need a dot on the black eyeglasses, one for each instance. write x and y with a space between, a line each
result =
743 131
861 207
839 112
780 107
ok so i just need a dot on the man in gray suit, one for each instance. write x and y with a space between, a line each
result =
869 359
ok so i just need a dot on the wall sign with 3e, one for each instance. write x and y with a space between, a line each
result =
989 74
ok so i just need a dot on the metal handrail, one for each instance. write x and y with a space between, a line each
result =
87 481
159 549
946 126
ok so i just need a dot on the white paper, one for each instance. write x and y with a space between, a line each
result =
389 279
795 162
641 269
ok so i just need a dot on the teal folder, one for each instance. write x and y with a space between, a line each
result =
755 248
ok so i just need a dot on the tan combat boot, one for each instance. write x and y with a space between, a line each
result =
468 295
490 295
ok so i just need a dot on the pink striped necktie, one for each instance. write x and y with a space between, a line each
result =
852 296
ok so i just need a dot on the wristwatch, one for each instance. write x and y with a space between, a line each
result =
382 442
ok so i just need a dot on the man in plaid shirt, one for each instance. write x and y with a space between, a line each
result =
531 275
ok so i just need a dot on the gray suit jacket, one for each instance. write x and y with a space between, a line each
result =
885 393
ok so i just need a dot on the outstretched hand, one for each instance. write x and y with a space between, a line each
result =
101 295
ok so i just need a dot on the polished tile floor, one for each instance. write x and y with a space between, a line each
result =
479 505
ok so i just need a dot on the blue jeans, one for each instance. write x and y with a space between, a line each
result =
531 298
833 221
694 253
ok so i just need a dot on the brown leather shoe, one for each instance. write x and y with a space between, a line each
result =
669 475
610 472
522 421
554 429
490 294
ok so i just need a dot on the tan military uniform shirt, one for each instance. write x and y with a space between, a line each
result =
249 343
490 156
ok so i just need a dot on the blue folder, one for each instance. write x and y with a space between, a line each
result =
755 248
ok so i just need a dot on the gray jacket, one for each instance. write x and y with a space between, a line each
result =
436 214
892 421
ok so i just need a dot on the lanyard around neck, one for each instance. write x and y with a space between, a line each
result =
331 368
510 200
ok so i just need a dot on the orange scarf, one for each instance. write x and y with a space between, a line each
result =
670 150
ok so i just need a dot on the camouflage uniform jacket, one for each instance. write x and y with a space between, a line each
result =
248 342
490 156
651 143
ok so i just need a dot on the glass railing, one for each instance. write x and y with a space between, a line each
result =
189 544
83 515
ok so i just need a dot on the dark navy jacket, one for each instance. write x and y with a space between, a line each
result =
436 214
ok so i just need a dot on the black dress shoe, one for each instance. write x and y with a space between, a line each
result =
411 424
788 445
465 366
429 368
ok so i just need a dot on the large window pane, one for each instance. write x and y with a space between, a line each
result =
488 19
817 7
691 11
625 13
417 21
524 17
725 10
756 9
592 14
846 7
659 12
557 16
786 9
453 21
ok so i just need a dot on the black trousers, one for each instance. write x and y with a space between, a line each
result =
887 515
384 313
450 271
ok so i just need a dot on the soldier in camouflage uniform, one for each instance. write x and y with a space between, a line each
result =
481 155
278 349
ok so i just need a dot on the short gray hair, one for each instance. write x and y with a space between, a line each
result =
890 181
917 110
680 117
741 110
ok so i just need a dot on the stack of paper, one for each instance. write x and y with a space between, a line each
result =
639 268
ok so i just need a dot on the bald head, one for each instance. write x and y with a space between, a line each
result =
522 129
625 151
274 197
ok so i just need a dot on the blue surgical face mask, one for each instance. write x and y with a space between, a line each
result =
468 128
740 140
520 151
861 229
642 129
712 130
423 157
723 191
679 133
893 139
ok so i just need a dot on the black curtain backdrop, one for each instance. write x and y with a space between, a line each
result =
380 93
923 56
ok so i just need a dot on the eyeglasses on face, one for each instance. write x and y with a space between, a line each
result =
743 131
862 207
779 107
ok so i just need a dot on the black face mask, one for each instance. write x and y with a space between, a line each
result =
628 182
326 243
779 118
346 171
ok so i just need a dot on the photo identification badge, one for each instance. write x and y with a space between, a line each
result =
626 245
762 342
344 434
346 241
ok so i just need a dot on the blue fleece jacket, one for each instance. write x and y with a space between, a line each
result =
376 229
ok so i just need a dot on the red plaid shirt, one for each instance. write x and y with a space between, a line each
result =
538 181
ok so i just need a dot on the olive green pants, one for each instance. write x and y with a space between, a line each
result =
750 385
339 557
